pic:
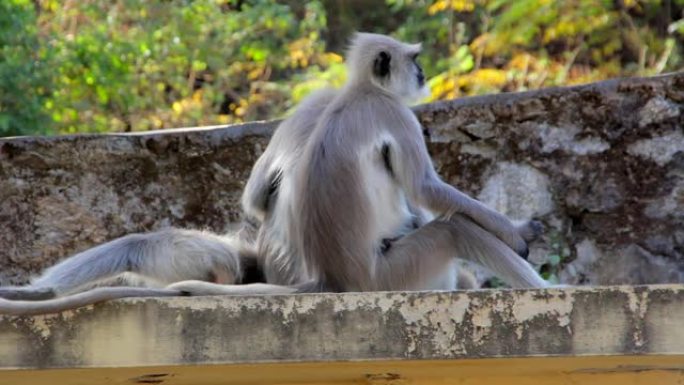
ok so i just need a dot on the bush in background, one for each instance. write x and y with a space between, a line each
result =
131 65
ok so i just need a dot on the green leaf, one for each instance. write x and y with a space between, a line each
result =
554 259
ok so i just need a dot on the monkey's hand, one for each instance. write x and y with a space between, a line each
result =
529 231
519 236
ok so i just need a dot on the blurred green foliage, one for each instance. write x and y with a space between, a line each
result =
129 65
25 80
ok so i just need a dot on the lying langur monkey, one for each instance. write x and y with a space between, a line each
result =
347 199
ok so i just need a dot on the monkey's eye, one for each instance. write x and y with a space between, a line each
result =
414 56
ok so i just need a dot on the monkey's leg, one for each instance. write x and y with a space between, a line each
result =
413 261
417 257
480 246
166 256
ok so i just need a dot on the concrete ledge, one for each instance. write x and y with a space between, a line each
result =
636 322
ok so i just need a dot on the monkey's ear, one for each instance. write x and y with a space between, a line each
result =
381 65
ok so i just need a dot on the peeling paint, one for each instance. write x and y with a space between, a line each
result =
638 305
359 326
41 326
554 304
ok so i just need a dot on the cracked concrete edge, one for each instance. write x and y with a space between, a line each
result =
619 320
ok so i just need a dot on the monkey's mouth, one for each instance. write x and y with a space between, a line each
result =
423 91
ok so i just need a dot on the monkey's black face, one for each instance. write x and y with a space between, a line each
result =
397 71
419 75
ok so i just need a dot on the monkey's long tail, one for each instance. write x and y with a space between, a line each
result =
197 288
8 307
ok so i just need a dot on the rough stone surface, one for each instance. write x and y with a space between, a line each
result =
601 165
60 195
618 321
504 192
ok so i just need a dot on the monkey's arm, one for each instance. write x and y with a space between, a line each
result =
255 196
416 172
445 199
476 233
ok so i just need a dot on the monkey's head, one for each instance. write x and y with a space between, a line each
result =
387 63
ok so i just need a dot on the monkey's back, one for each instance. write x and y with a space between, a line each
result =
352 201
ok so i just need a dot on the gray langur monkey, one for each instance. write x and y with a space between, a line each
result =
346 198
356 205
260 200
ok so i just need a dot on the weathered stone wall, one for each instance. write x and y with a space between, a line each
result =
601 165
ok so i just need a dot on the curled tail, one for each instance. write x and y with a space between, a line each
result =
165 256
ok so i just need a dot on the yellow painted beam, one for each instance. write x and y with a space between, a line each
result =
587 370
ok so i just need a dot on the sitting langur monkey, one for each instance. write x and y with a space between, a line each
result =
347 199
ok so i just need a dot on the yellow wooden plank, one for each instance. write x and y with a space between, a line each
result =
599 370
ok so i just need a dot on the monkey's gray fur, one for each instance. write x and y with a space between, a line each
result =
346 199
